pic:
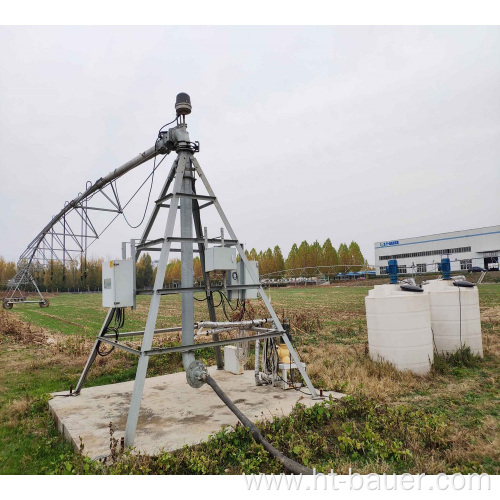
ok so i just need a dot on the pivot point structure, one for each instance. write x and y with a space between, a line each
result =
180 201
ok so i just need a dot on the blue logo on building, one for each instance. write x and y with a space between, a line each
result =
389 243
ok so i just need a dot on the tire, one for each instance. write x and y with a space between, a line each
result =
6 304
45 303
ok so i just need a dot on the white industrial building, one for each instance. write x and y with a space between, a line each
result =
466 249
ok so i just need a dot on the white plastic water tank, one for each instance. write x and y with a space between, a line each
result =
399 327
455 316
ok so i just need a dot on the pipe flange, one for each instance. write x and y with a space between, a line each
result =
196 373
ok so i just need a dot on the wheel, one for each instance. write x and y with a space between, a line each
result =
45 303
6 304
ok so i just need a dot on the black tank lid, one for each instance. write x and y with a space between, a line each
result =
464 284
411 288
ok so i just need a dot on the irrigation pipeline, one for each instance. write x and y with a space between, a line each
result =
288 463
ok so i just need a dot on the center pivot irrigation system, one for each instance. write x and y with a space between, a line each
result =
218 255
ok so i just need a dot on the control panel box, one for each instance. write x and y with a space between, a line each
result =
243 277
220 259
118 283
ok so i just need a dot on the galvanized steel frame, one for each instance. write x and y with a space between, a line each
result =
184 161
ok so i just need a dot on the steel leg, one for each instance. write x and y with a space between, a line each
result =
93 353
147 341
187 273
201 251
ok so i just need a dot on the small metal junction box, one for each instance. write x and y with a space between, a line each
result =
220 259
242 277
118 283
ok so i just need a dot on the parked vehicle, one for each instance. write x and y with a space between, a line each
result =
476 269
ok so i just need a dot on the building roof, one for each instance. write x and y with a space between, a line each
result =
439 236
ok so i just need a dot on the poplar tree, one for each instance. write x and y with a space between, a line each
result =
344 258
330 257
266 262
279 261
292 258
356 259
144 272
198 272
173 272
315 254
303 254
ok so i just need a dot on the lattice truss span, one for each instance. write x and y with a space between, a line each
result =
62 246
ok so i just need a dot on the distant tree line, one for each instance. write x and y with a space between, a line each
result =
86 275
7 271
345 259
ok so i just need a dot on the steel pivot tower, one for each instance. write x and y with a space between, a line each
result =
179 194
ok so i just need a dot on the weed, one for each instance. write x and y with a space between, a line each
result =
357 430
446 363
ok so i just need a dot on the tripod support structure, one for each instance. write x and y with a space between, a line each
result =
183 198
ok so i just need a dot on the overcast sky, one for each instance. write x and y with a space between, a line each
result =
351 133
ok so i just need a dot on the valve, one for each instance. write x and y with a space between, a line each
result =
196 374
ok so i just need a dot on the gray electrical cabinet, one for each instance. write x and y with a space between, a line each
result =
220 259
242 276
118 283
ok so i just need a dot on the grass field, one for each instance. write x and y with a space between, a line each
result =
447 421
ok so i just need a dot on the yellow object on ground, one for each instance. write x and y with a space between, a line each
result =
283 354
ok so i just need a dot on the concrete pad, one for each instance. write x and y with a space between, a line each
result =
173 414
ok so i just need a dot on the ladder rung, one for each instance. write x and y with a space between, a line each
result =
148 244
177 239
186 195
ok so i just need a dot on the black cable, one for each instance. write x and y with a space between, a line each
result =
224 307
228 302
223 301
200 300
298 389
174 120
119 321
152 174
288 463
212 300
124 206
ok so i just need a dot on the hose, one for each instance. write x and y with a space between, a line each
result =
288 463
